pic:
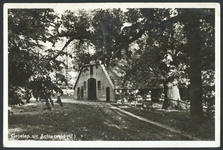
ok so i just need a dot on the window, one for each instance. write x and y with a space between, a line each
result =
82 92
91 70
84 85
78 93
99 85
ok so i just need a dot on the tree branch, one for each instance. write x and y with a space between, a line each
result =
71 35
61 51
162 26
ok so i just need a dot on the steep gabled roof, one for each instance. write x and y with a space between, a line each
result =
79 74
108 76
104 70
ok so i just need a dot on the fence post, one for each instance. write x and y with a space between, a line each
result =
178 103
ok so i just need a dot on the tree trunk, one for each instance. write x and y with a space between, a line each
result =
166 101
172 95
194 41
196 110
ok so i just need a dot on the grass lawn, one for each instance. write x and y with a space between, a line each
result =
84 121
72 120
203 129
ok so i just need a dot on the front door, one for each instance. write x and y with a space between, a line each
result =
91 89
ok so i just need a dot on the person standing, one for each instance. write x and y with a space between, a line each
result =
59 93
28 95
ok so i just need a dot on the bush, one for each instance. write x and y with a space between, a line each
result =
15 95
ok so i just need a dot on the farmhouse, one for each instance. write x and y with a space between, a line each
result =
94 83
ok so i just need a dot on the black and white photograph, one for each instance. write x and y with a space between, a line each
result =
111 75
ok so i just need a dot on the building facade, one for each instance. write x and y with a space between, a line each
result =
94 83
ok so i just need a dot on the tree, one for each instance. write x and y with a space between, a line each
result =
198 23
106 36
196 49
152 65
28 33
